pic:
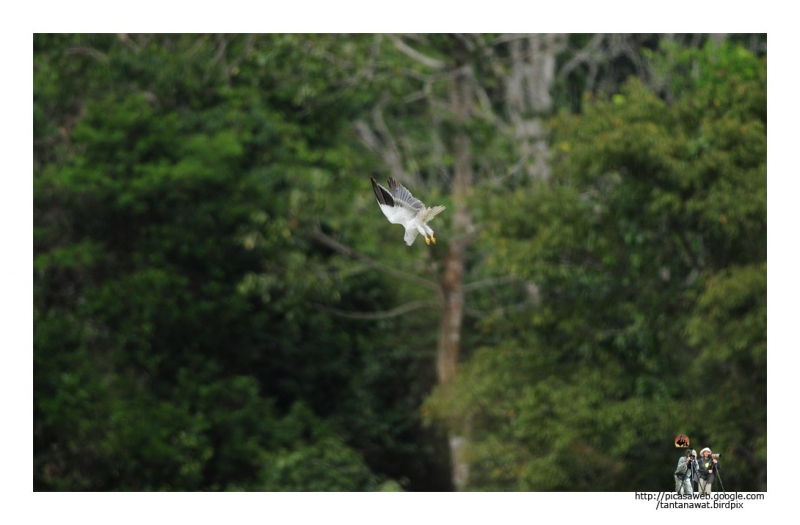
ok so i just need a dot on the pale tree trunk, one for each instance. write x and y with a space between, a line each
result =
528 96
452 282
527 101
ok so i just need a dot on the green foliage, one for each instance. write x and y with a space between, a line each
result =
541 424
647 253
177 341
187 329
327 465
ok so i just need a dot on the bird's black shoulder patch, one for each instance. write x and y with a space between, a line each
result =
382 194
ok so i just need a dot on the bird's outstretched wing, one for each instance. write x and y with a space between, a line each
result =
398 205
404 198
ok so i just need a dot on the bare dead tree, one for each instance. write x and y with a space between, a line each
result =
527 101
533 70
453 95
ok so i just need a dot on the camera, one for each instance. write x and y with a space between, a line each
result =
716 455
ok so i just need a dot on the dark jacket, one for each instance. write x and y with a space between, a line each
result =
705 465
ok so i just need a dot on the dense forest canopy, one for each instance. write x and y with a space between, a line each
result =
219 303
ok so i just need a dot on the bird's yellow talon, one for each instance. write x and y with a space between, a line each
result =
433 239
427 241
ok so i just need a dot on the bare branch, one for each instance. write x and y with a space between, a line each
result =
198 43
628 50
383 143
144 40
400 310
125 39
694 259
438 149
416 55
391 153
222 49
502 310
509 37
413 97
465 41
511 171
589 54
474 312
368 138
249 45
488 282
486 108
335 245
88 51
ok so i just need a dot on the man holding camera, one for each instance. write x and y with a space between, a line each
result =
687 466
708 466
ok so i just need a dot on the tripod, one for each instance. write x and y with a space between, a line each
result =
718 479
701 485
693 466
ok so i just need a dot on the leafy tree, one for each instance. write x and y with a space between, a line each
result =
647 253
159 363
213 310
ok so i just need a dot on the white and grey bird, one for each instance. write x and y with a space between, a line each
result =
400 207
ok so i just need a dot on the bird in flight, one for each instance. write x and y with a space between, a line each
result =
400 207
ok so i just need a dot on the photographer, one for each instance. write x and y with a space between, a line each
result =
708 466
687 466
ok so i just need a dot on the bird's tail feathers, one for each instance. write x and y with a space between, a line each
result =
430 213
411 234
